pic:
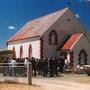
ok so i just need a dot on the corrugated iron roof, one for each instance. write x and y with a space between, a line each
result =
38 26
71 41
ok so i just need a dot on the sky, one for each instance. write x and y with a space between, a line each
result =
16 13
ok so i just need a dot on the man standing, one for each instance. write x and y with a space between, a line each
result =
45 67
13 66
62 63
26 61
33 66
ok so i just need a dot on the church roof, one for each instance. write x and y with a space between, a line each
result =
71 41
38 26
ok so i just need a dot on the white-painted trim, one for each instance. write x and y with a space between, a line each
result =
76 41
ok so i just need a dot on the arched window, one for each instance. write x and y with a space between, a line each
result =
53 38
82 57
30 51
14 51
21 51
13 48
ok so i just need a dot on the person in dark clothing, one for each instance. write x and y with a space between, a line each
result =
58 61
55 66
33 66
40 67
62 63
6 67
37 60
51 67
45 67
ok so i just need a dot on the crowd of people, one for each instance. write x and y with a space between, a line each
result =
46 67
49 67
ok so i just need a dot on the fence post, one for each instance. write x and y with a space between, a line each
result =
29 73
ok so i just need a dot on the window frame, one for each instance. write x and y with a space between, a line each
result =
53 32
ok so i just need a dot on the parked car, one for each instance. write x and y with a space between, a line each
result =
86 69
79 70
5 53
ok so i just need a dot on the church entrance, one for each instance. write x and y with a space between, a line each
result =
69 56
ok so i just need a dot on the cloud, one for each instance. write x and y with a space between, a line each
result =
77 15
83 0
11 27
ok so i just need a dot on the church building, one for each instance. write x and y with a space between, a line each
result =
53 35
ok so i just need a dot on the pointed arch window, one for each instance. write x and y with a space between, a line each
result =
30 51
82 57
53 38
21 51
13 48
14 51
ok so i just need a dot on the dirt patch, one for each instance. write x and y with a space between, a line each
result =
9 86
66 82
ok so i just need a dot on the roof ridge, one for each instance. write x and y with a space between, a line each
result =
51 15
48 14
63 10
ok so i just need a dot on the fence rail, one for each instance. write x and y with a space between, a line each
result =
16 71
